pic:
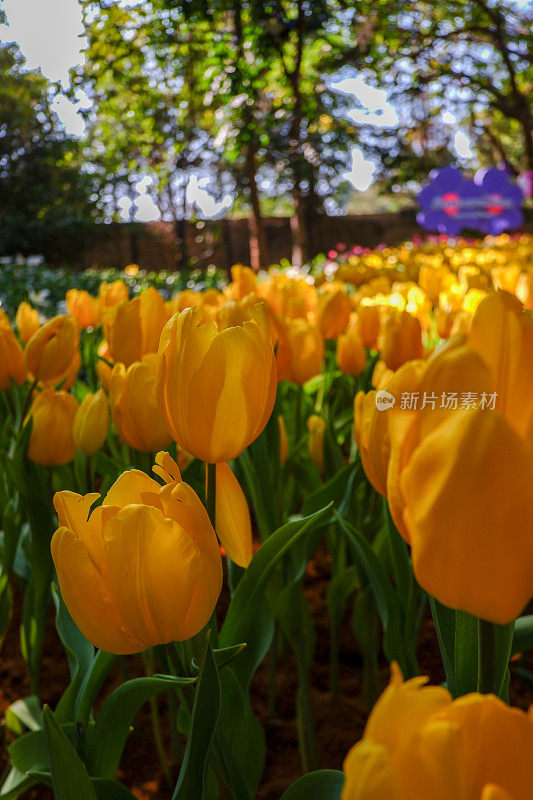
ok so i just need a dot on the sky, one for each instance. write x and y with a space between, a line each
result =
50 36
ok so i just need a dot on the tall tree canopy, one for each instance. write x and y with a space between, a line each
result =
45 200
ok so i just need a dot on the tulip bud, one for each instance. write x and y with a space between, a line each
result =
84 308
27 321
316 427
12 364
307 351
52 349
368 321
111 294
400 339
216 389
233 524
143 568
91 423
132 329
134 407
351 356
333 313
51 440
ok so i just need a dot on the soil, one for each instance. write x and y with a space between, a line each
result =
339 722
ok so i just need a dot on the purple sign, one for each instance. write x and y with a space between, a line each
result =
490 202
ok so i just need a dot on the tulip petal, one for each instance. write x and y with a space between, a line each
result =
233 524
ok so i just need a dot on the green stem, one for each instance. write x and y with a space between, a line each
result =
487 677
27 403
148 663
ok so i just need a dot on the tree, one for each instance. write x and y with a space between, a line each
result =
46 202
470 58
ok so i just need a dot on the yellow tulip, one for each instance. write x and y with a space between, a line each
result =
142 569
52 349
111 294
233 524
419 744
502 333
351 356
369 323
103 368
400 338
134 408
307 351
316 427
379 432
84 308
91 423
27 321
242 282
132 329
51 441
12 364
333 314
216 389
468 511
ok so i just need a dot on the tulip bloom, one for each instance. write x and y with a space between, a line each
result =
52 349
351 357
307 351
134 407
133 328
216 389
418 743
91 423
400 339
233 523
242 282
83 307
12 364
27 321
111 294
468 511
142 569
51 440
316 427
333 314
368 323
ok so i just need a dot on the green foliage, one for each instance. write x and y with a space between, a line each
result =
45 204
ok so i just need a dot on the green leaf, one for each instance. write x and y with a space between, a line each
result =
205 716
444 619
91 685
248 619
107 738
80 656
335 490
465 653
70 779
224 655
16 784
324 784
386 600
25 713
523 634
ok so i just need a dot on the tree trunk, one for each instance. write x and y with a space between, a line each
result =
300 244
256 227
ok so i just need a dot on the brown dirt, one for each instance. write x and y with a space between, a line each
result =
339 722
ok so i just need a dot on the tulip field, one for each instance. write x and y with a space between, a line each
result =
273 534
